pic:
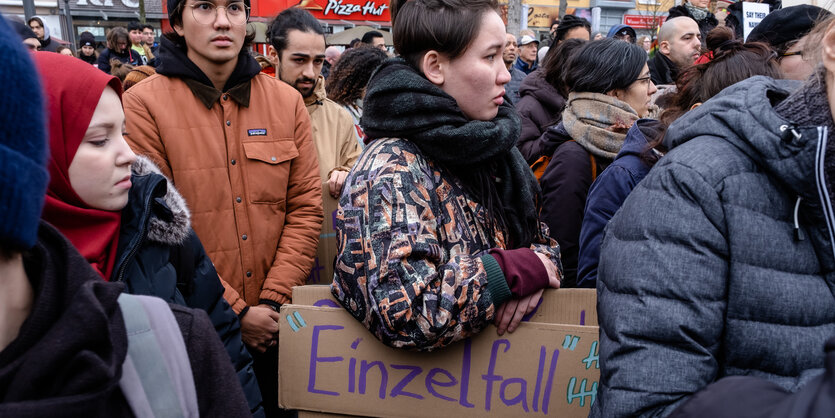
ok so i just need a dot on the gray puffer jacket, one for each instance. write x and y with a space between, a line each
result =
721 261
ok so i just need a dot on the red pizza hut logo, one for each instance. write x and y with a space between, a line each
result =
339 7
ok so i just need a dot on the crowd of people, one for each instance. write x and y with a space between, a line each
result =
160 201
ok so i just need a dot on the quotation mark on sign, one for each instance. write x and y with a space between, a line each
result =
301 323
570 342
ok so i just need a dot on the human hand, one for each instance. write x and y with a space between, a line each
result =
553 272
336 181
259 327
510 314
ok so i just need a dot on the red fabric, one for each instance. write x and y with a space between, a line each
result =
522 269
705 58
73 89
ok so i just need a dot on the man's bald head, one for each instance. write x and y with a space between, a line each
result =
671 27
332 54
680 40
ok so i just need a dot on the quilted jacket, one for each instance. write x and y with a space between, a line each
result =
720 262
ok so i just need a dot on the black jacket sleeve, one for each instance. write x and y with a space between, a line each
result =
207 294
745 396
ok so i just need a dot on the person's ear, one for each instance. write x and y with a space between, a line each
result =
272 56
178 27
434 66
828 53
616 93
664 47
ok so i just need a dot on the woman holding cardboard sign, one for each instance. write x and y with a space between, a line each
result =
438 229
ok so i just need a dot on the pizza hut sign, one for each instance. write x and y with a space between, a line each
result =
375 10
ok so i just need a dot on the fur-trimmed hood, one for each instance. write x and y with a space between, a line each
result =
170 219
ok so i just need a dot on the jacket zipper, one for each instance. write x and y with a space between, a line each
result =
135 248
823 192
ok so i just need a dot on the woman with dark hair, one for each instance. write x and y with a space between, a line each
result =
715 284
697 10
732 62
572 27
543 96
438 230
610 90
118 48
348 79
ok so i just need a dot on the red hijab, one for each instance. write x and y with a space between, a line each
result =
73 89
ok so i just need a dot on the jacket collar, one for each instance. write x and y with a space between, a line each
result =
318 97
666 70
174 62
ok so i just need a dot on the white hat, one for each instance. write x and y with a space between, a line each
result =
527 39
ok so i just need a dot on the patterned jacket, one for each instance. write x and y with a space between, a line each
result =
411 250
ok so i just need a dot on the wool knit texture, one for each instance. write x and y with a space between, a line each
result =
23 175
598 122
401 103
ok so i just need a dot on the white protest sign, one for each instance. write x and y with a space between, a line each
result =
752 15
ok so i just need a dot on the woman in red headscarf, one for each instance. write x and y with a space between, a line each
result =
117 209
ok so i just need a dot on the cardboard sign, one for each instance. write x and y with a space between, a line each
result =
322 271
752 15
330 363
558 306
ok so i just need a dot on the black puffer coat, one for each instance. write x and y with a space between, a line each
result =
160 255
539 107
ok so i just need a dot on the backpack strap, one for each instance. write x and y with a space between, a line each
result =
155 382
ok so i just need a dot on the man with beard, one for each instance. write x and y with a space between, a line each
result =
297 49
509 55
679 45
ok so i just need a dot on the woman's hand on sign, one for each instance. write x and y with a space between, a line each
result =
510 314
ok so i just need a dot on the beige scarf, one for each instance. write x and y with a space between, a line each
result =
598 122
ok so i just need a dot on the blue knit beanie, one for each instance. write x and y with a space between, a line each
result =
23 152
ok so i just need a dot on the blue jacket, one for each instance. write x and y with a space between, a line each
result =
524 67
608 192
720 262
160 255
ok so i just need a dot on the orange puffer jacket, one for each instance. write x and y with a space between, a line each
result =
250 176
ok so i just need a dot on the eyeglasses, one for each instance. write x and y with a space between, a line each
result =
205 12
791 54
648 79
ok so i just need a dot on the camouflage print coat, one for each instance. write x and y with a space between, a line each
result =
410 263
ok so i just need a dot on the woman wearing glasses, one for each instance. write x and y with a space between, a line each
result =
610 90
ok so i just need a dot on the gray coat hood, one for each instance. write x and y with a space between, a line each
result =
744 115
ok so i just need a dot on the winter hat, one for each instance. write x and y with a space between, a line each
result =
786 25
86 39
172 5
22 29
23 175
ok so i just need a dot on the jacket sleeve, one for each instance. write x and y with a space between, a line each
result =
754 397
529 144
350 148
392 273
662 294
303 220
565 183
104 62
207 295
142 133
218 391
606 196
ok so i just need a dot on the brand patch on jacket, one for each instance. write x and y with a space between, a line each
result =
257 132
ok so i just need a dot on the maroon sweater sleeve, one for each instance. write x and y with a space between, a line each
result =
522 269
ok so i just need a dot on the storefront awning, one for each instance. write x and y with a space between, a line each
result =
345 37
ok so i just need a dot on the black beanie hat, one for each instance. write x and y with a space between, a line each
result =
172 5
23 30
86 39
786 25
569 22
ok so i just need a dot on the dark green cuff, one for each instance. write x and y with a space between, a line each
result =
496 282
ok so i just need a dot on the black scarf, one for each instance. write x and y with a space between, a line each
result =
174 62
401 103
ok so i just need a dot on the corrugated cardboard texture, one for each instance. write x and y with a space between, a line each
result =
558 306
312 414
322 271
330 362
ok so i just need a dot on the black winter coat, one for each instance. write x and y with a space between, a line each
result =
565 186
539 107
160 255
129 57
67 358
